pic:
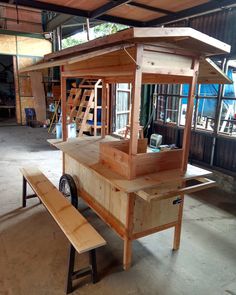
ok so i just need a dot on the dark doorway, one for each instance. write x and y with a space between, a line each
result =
7 91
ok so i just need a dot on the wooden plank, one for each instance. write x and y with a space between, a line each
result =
165 79
186 38
63 108
96 43
104 106
101 194
72 60
149 215
115 159
169 190
168 71
39 95
165 60
76 228
154 162
210 73
85 150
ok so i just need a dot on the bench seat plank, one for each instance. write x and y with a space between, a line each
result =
76 228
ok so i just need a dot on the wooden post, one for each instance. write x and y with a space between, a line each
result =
104 105
108 110
189 115
95 109
63 115
178 227
88 29
136 98
129 230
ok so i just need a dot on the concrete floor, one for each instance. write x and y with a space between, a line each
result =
33 250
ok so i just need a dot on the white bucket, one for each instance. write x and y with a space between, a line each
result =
71 129
58 131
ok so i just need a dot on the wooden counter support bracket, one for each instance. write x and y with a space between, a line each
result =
82 236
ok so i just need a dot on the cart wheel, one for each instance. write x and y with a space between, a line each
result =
68 188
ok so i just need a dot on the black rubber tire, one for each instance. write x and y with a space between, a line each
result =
68 188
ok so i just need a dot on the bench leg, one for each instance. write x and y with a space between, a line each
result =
93 263
71 264
24 192
73 275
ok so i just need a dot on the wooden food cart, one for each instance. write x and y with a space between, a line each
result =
135 192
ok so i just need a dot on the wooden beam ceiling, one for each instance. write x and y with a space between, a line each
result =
113 10
190 12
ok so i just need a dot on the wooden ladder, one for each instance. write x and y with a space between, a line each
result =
83 113
73 102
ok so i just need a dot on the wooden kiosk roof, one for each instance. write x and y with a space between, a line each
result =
139 56
113 56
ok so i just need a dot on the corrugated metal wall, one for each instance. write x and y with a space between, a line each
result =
201 146
220 25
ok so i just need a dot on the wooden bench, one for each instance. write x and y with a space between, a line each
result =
82 236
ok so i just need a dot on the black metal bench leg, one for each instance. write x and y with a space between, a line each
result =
93 263
24 192
71 263
73 275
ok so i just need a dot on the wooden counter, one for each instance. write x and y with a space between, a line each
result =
133 208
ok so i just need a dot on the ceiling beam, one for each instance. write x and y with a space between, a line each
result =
208 7
57 21
151 8
121 20
106 7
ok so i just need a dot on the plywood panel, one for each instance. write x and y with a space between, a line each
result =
154 60
115 202
23 27
33 46
26 61
39 95
154 214
25 86
7 44
118 58
26 102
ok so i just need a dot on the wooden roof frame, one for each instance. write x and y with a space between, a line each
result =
137 56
